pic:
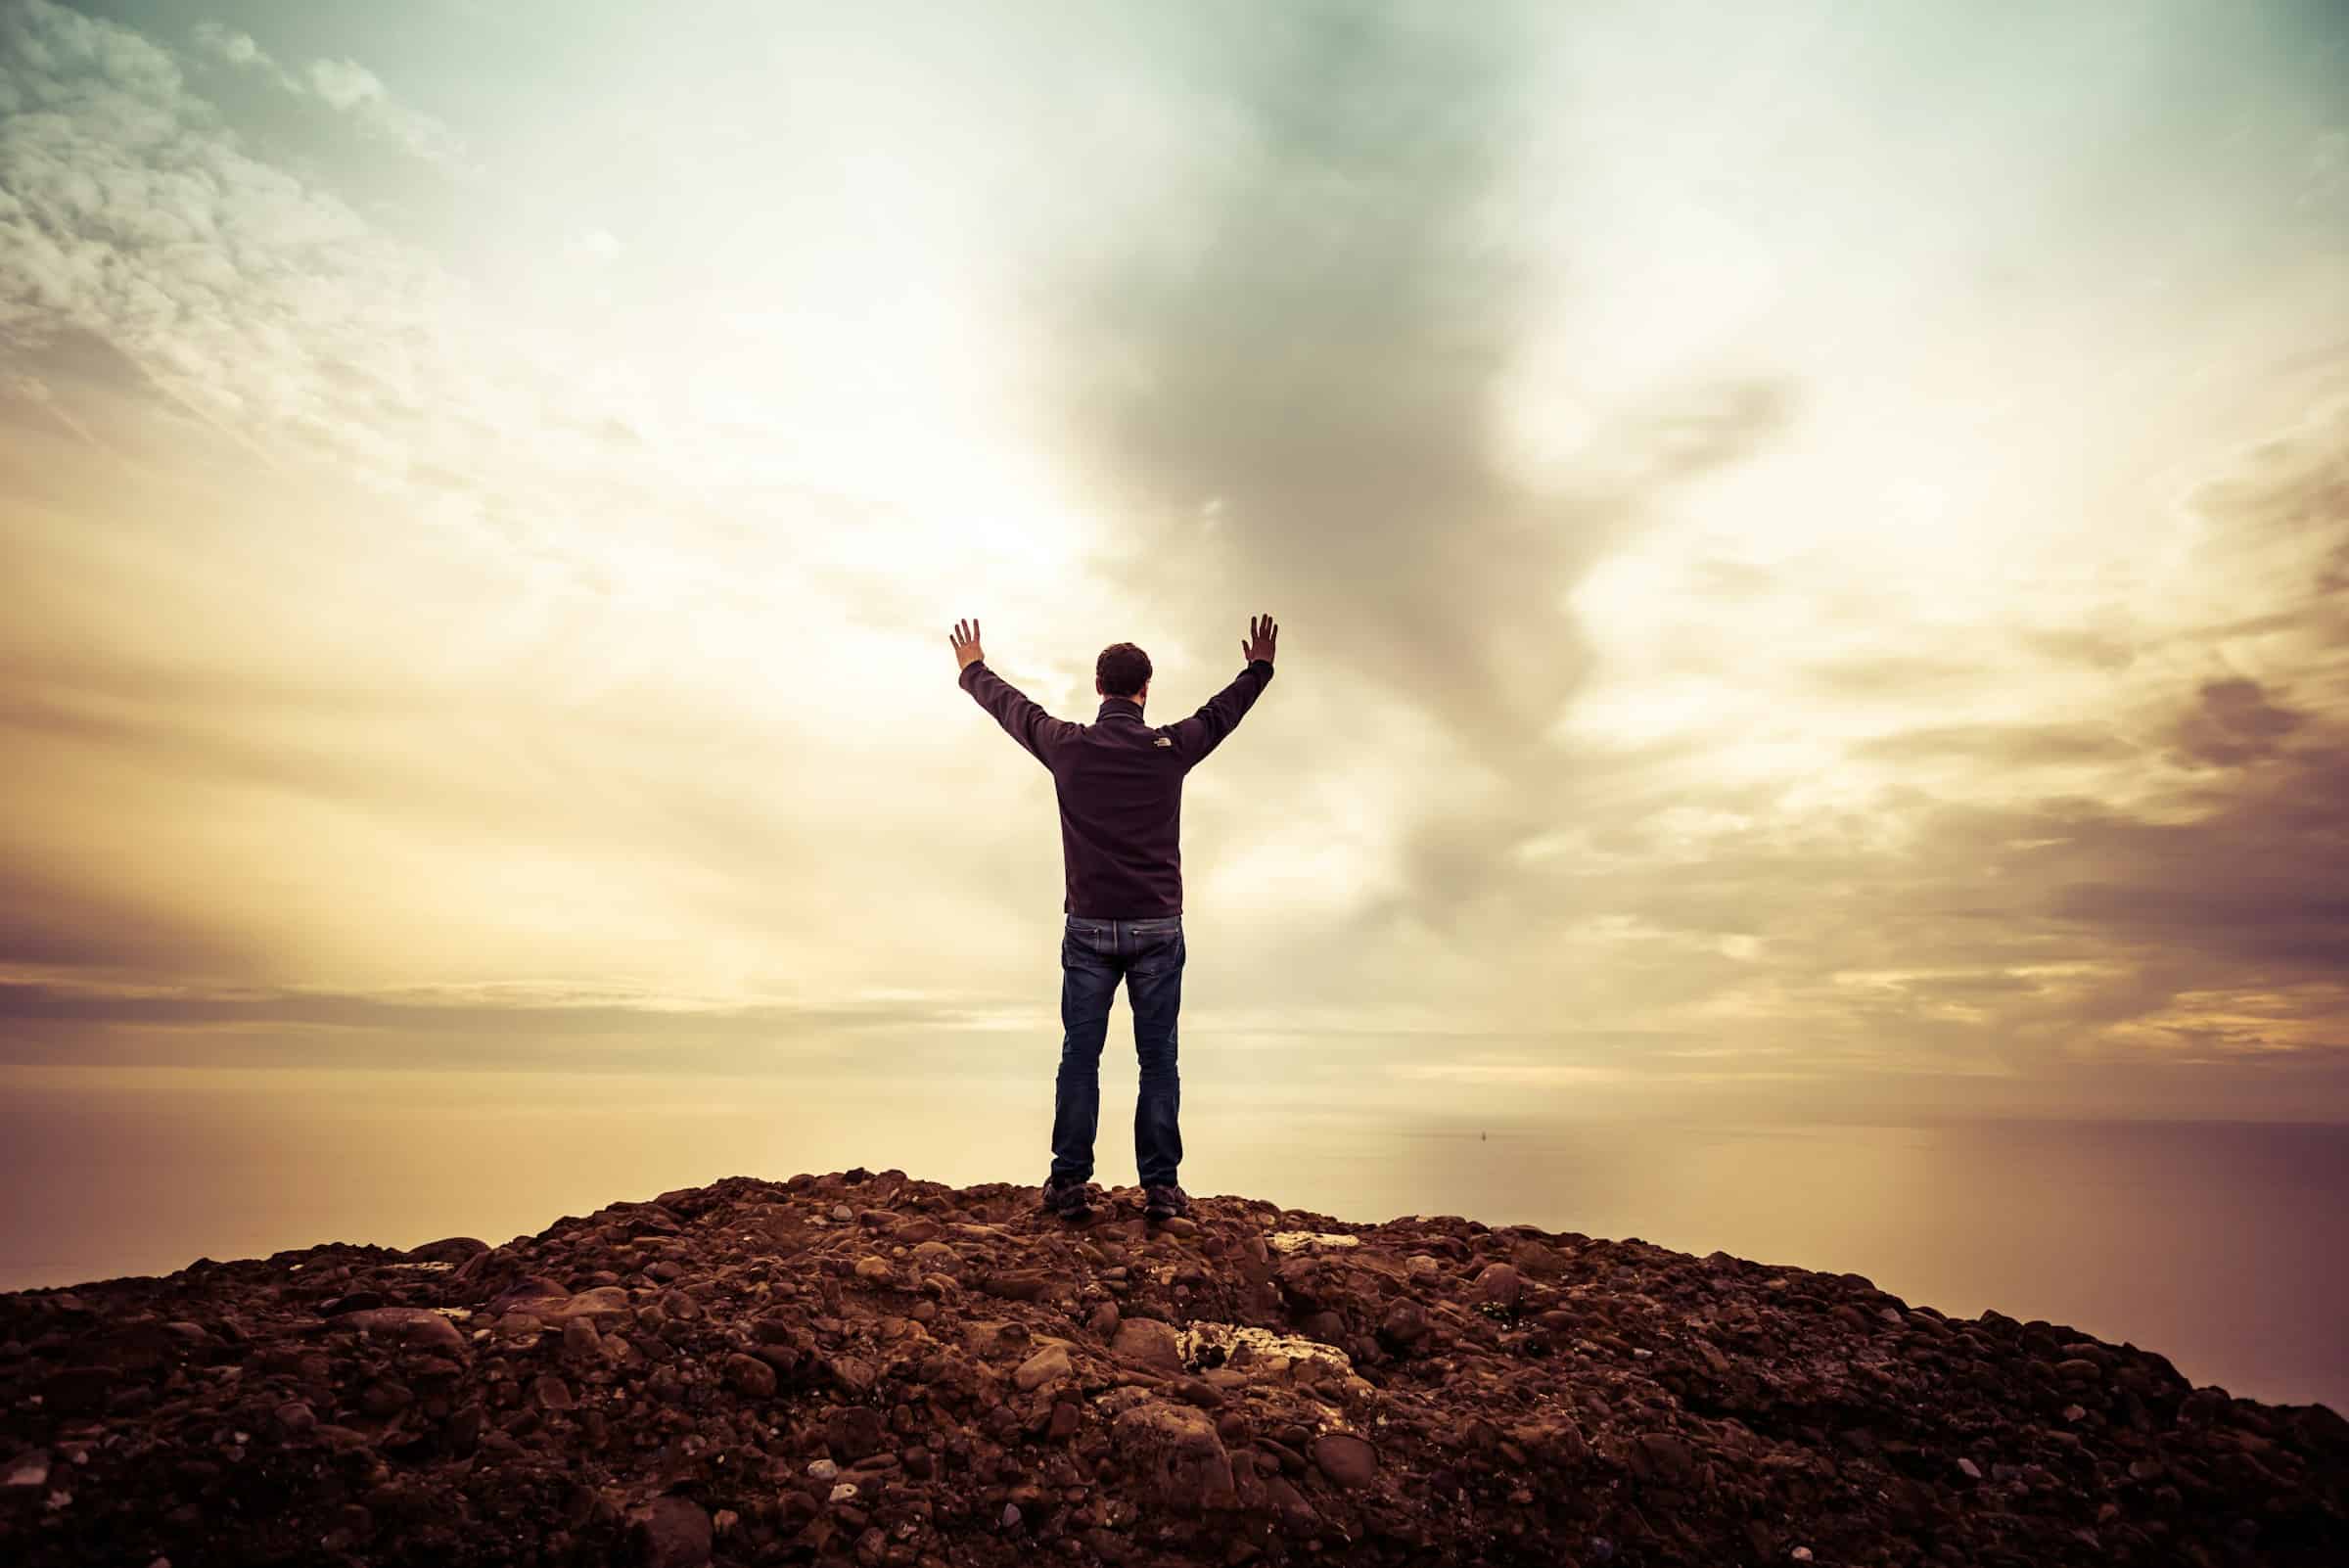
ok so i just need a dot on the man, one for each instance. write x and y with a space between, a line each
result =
1120 784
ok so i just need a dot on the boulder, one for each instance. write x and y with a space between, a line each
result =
1149 1342
1350 1461
671 1532
1173 1456
416 1326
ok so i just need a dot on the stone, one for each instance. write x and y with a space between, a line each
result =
418 1326
1024 1284
527 1294
1174 1455
447 1250
1350 1461
672 1533
580 1341
747 1374
1149 1342
79 1389
1404 1325
604 1301
852 1431
1663 1456
1047 1365
1497 1285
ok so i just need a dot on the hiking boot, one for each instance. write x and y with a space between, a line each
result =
1066 1197
1164 1203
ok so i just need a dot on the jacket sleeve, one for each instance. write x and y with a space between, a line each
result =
1023 720
1202 733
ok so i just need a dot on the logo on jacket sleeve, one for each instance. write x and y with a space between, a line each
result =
1162 740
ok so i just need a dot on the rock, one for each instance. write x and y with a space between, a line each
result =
672 1533
1663 1456
1175 1457
1149 1342
1047 1365
1350 1461
852 1431
854 1374
526 1294
1497 1285
416 1326
447 1250
874 1271
79 1390
1023 1284
1196 1391
603 1302
1404 1325
750 1376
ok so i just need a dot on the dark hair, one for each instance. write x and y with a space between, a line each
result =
1123 670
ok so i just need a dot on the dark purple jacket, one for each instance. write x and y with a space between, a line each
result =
1120 783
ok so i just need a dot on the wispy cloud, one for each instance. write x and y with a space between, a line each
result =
345 86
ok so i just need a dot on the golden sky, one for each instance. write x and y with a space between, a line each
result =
1813 542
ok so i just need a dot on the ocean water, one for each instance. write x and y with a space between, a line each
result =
2223 1245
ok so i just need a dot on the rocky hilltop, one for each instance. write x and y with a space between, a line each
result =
865 1369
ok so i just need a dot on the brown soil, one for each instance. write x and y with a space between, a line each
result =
865 1369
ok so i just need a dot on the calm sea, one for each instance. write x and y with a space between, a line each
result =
2224 1246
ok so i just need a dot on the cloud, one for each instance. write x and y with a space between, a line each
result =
1283 382
225 43
2003 745
262 305
2233 723
343 85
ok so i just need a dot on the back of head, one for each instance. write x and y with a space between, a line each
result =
1123 670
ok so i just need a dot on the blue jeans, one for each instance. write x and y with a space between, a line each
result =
1093 954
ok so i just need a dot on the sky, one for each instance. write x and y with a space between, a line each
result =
1812 543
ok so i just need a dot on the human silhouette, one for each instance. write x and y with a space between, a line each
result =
1120 784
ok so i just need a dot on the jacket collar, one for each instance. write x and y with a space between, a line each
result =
1118 708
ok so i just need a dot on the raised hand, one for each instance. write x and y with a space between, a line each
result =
965 638
1261 633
